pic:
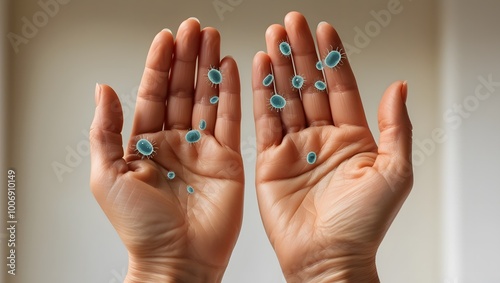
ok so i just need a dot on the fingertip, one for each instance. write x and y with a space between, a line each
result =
274 30
260 53
261 68
190 23
164 35
323 25
228 61
292 17
404 91
213 32
392 110
260 58
293 14
194 19
97 96
229 69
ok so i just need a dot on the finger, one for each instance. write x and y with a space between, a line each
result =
292 114
395 144
268 127
315 101
106 151
182 76
208 64
345 102
150 105
227 127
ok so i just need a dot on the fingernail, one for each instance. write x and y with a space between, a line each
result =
322 23
97 94
167 30
404 91
194 18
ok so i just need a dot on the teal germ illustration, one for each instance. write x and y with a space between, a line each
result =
193 136
214 76
190 189
298 82
319 65
268 80
214 99
145 148
277 101
285 48
171 175
320 85
333 59
311 157
203 124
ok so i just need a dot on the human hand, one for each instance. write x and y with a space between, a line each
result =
327 219
170 233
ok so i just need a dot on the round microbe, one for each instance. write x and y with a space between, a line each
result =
311 157
215 76
285 48
171 175
298 82
277 101
193 136
268 80
214 99
145 147
190 189
320 85
333 59
319 65
203 124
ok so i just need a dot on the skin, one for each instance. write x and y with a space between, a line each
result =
326 220
172 236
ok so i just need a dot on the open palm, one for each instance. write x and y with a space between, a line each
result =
171 231
324 217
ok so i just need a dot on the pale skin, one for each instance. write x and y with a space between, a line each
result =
325 220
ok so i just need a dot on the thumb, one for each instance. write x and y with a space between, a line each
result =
394 159
106 151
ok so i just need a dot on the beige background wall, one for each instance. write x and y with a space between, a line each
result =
471 195
64 237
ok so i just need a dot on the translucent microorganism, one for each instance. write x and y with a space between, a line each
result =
285 48
268 80
193 136
333 59
311 157
171 175
319 65
298 82
320 85
214 99
214 76
277 102
145 148
203 124
190 189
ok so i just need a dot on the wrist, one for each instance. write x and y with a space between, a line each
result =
160 271
346 270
